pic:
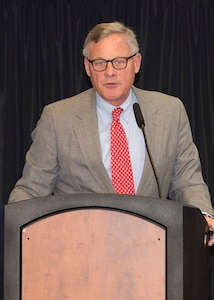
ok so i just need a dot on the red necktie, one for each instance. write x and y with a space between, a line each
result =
122 177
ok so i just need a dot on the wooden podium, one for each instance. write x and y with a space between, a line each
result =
104 247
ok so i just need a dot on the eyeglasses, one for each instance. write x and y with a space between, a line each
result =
119 63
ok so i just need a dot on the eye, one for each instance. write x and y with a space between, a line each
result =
99 62
119 61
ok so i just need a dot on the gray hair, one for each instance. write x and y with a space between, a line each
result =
103 30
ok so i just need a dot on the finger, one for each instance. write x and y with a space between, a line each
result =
211 241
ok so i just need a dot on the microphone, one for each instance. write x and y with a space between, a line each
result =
140 122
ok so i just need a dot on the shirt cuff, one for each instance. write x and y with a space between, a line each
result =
207 215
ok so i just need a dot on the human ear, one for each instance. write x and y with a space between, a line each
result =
137 62
87 67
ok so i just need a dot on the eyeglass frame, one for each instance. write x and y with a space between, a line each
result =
111 61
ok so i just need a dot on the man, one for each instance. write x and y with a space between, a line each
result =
72 152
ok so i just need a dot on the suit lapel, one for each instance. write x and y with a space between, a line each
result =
153 130
86 129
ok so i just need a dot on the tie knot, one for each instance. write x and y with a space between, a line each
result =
116 112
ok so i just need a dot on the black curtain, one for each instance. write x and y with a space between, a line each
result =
41 61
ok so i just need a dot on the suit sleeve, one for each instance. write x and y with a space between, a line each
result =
187 184
40 170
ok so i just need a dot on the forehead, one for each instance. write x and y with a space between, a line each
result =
111 46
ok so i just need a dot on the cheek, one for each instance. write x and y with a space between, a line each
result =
129 76
94 79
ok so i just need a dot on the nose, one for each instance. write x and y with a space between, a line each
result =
110 70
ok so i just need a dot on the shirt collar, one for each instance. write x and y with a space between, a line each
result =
104 108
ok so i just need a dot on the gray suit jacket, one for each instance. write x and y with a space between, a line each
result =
65 155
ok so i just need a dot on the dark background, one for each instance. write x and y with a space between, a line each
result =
41 62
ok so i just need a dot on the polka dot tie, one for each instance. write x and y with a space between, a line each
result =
122 177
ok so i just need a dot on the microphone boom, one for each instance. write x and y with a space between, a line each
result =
140 122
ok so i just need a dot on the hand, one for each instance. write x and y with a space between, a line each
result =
210 222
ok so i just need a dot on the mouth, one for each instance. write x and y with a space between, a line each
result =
111 84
